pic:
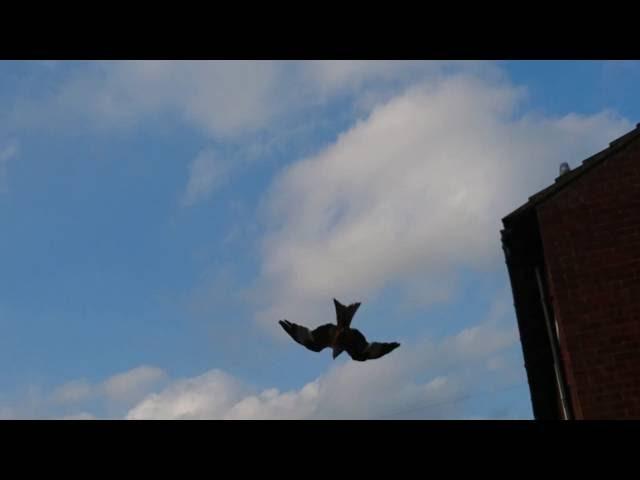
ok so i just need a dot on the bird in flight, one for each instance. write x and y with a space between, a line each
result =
340 337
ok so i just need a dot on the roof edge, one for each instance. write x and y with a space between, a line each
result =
586 165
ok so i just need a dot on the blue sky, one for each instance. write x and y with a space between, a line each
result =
158 218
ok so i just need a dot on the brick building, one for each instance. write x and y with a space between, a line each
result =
573 256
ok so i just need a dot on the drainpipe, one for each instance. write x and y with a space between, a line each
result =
553 341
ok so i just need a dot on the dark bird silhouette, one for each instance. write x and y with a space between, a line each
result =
340 337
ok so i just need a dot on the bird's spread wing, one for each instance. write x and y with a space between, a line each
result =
359 349
315 340
377 350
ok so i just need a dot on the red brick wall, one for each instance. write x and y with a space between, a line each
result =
591 236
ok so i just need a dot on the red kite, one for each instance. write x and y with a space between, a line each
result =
340 338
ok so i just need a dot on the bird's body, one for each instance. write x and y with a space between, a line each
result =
340 337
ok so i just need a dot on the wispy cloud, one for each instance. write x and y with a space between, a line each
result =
73 392
206 172
226 100
82 399
7 152
253 105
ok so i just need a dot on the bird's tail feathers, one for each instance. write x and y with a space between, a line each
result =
345 314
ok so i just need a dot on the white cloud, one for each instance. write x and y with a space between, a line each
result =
414 190
375 79
331 77
133 383
128 386
199 397
206 172
334 75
